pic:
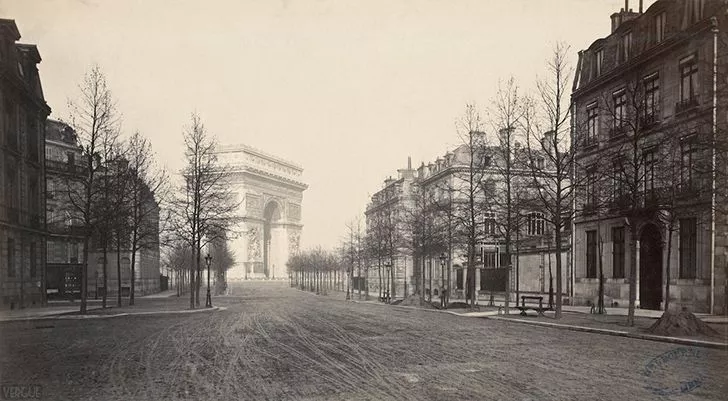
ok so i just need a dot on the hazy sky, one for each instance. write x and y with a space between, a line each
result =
348 89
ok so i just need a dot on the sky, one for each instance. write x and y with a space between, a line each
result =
347 89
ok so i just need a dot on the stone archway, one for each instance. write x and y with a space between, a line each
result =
271 239
650 268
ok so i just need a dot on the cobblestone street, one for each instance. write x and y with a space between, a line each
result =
273 342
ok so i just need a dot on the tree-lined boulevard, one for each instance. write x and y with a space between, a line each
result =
274 342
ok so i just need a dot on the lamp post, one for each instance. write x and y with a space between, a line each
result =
208 300
443 299
387 270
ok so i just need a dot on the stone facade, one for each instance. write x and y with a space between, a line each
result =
662 61
437 183
270 192
23 113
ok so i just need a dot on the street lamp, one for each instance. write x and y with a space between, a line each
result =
443 297
387 270
208 300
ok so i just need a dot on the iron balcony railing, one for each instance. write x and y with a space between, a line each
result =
64 167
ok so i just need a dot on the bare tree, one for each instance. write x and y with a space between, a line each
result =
551 156
465 203
145 185
204 208
95 120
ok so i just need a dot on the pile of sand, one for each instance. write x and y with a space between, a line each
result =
683 323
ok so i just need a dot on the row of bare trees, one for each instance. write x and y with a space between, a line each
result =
116 187
317 270
119 195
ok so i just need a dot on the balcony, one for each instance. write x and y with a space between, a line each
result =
617 132
648 120
686 104
64 167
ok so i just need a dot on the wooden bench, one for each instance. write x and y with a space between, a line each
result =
540 308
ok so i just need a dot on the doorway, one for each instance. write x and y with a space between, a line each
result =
650 268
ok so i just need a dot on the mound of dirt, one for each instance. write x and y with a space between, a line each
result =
683 323
414 300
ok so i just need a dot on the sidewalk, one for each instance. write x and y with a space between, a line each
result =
578 318
153 304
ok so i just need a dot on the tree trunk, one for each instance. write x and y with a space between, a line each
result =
105 278
559 284
670 229
118 271
84 276
192 274
392 275
600 301
134 246
632 272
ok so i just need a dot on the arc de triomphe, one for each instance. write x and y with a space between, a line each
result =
270 192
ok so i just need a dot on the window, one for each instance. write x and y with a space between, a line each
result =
648 172
617 180
535 224
504 262
489 260
626 45
618 252
11 123
591 254
688 80
652 99
620 110
540 162
489 223
598 62
660 27
50 189
591 190
687 162
459 279
688 248
33 261
11 257
71 158
592 123
694 10
74 253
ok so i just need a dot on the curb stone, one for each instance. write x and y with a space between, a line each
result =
619 333
91 316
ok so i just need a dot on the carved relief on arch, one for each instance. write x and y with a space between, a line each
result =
294 211
253 245
294 241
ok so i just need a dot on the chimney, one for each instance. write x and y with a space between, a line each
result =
641 1
409 162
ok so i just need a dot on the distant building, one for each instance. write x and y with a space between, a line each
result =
429 191
644 103
64 167
65 170
22 173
